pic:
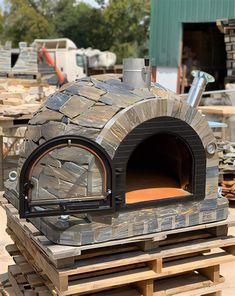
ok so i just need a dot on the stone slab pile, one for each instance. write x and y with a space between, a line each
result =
227 168
22 97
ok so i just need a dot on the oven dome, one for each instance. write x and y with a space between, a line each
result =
105 110
85 107
111 131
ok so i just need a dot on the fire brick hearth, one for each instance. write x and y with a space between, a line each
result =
109 157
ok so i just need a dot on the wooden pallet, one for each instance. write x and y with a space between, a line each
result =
23 280
139 263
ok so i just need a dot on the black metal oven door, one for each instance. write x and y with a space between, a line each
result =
66 175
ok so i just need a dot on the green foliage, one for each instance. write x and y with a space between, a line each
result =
120 26
125 50
23 22
81 23
1 25
128 25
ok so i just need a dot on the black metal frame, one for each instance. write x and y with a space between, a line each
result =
68 206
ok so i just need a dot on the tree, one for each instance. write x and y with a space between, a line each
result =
1 26
25 23
120 26
82 23
128 23
46 8
101 3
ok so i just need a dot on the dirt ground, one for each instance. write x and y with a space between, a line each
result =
5 240
227 270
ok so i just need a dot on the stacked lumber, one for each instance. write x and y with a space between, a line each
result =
21 97
227 168
228 28
181 263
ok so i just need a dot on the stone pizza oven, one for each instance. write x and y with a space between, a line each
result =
107 158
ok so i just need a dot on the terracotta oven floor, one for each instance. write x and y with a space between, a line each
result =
143 186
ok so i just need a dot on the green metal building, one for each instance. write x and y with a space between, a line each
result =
168 18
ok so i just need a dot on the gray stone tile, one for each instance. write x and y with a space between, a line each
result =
119 100
52 129
73 88
76 177
75 106
49 160
111 88
91 92
118 83
30 146
56 100
45 116
33 132
72 154
106 77
65 86
143 93
96 116
74 129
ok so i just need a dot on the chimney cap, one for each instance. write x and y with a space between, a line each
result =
201 74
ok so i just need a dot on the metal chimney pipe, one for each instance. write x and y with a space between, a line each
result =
137 73
201 79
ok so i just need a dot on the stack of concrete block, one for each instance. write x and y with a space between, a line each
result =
229 38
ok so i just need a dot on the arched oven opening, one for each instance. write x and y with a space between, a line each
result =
160 167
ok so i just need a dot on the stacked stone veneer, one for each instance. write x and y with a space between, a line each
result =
102 108
229 38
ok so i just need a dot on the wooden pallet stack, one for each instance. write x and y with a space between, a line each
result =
170 263
227 168
227 26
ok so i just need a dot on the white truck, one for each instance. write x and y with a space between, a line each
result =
65 55
74 62
59 55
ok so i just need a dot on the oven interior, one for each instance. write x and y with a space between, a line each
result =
160 167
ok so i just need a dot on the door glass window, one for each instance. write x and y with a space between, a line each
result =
68 172
65 175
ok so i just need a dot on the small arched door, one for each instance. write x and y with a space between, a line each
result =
66 175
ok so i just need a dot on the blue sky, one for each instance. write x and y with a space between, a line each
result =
91 2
